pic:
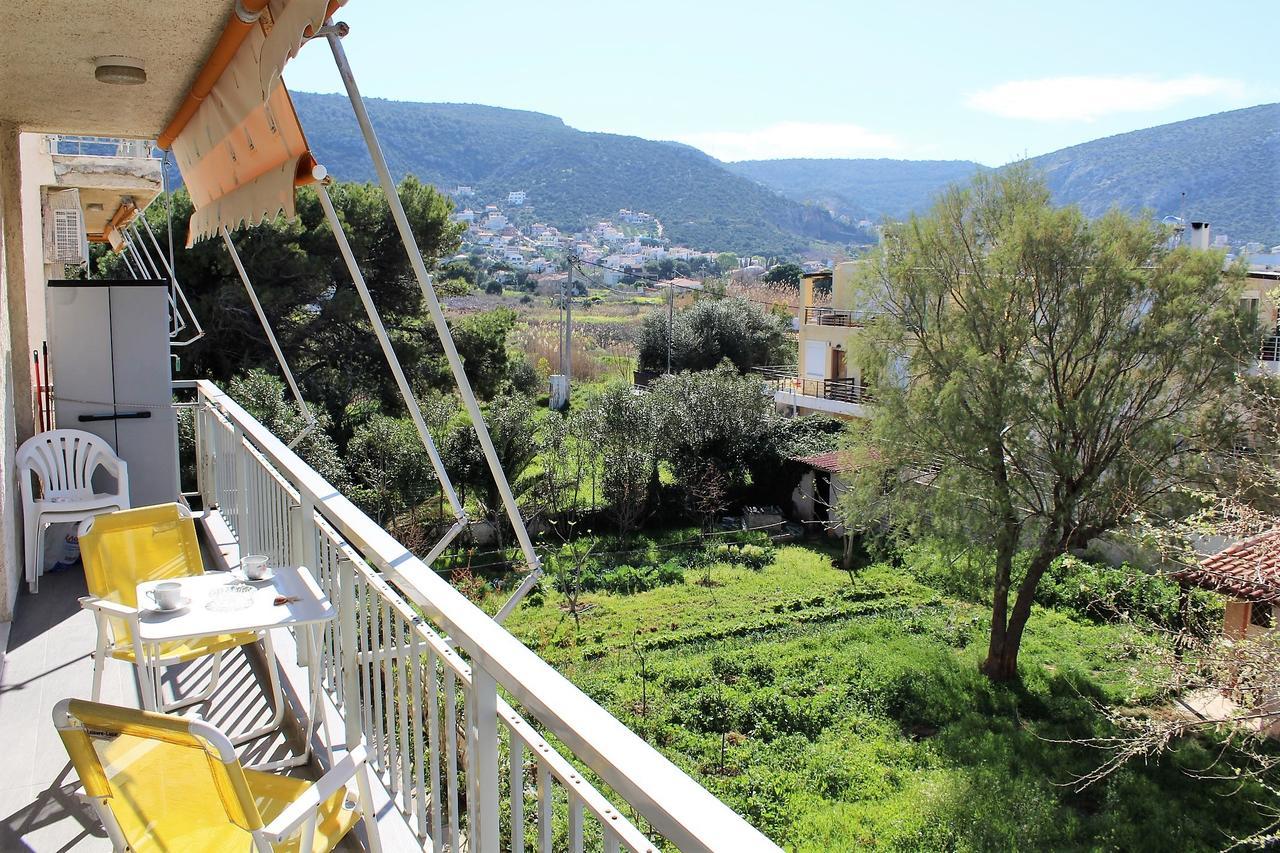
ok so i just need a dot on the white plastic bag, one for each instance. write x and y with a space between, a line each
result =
61 546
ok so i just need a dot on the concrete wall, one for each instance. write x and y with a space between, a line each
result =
12 277
37 173
808 506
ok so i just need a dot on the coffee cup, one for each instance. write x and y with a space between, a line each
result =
167 596
254 566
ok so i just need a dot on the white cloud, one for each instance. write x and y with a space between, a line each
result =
1089 98
795 139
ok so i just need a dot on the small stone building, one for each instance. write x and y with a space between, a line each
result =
1248 574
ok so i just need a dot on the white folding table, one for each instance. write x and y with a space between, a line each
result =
306 616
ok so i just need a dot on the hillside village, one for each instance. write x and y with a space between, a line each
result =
626 249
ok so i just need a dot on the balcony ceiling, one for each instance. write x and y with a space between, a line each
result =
47 62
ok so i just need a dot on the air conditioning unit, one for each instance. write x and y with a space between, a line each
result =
65 239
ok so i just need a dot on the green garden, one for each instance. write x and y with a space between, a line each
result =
838 712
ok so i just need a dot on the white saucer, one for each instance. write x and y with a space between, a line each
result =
239 575
155 610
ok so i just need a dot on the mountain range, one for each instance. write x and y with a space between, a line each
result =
572 178
1228 166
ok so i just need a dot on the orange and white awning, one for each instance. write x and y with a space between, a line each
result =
236 138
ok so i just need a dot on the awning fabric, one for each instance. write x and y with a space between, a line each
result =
242 150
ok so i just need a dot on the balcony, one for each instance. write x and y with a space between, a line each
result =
477 743
106 171
825 316
97 146
834 396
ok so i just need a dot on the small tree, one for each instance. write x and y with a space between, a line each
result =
787 273
714 417
512 424
726 261
712 330
391 470
263 396
1038 378
625 444
570 563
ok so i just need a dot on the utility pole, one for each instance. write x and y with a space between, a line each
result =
671 325
566 366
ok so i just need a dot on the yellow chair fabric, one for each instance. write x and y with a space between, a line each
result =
123 549
170 791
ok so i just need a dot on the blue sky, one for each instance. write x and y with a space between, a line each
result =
986 80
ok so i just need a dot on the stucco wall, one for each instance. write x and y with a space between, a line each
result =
37 172
11 283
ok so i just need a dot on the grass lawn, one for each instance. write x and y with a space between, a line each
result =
837 715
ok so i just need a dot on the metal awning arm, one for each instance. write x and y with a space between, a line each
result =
271 338
380 331
175 284
334 34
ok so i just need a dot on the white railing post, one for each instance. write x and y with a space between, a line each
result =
242 526
482 761
302 547
348 653
202 468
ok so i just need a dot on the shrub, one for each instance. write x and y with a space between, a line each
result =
755 557
622 579
1110 594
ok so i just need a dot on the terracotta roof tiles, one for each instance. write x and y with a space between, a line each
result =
1248 570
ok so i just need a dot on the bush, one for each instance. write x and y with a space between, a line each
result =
755 557
1097 592
622 579
1110 594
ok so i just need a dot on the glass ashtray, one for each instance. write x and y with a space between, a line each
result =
234 596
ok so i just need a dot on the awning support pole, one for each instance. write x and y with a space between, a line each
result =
307 417
406 392
150 270
334 36
124 256
177 288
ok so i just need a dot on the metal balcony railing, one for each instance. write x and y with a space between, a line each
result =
816 315
448 748
842 390
98 146
1270 349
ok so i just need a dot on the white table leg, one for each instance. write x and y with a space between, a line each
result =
148 682
310 635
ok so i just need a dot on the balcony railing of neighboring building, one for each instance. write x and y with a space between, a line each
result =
1270 349
98 146
786 380
419 675
818 315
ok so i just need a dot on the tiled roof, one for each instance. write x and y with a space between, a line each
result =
1248 570
833 461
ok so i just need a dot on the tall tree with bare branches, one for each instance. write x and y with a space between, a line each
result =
1039 377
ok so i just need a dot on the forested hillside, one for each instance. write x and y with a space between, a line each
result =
1228 165
571 177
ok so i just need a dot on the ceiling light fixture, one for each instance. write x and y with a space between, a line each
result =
120 70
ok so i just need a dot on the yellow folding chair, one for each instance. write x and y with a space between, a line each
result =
122 549
166 783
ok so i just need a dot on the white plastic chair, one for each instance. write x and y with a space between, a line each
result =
64 461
